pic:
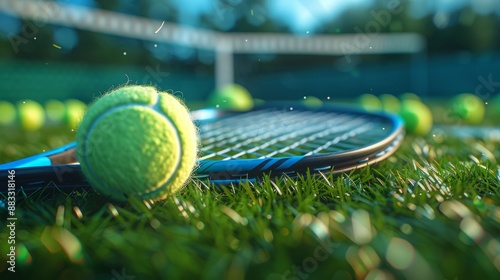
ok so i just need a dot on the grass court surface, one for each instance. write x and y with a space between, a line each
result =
428 212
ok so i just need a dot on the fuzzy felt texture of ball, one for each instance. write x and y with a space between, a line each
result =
135 141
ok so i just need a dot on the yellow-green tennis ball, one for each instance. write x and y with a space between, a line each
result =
370 102
409 96
231 97
468 107
135 141
7 113
312 102
417 117
31 115
75 109
390 103
55 112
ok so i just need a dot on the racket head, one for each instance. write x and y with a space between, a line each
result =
246 146
325 139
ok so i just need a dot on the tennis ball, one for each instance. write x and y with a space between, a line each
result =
417 117
135 141
467 107
55 112
409 96
312 102
7 113
231 97
390 103
31 115
75 109
370 102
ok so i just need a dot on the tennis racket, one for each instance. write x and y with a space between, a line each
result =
272 140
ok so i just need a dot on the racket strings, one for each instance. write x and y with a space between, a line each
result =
305 145
253 132
250 130
273 133
246 124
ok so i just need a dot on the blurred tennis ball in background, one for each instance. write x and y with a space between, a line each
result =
370 102
409 96
467 107
312 102
231 97
7 113
417 117
30 115
75 109
55 112
390 103
135 141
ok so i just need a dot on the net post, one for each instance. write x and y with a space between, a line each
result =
224 62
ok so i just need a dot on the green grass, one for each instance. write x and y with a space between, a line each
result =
431 211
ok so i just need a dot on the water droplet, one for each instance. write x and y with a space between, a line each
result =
155 45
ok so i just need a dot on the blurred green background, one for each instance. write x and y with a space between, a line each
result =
43 61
